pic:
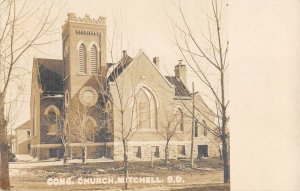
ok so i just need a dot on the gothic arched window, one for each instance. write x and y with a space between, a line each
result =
143 111
89 128
94 65
82 58
146 110
52 116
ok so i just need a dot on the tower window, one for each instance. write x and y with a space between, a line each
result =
82 59
94 59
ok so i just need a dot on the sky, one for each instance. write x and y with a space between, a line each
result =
263 85
146 25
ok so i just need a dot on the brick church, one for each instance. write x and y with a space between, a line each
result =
82 101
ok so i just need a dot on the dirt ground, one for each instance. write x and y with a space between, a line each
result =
207 175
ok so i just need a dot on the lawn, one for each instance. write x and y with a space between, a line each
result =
207 175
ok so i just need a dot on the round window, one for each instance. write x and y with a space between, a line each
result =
88 96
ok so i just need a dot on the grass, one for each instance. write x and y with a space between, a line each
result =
207 175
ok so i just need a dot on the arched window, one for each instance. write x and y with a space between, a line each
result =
146 110
52 117
179 118
94 68
82 58
204 128
143 111
89 128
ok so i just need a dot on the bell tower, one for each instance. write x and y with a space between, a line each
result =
84 53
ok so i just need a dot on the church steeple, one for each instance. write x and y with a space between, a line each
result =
84 50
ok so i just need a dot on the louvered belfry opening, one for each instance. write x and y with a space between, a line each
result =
82 59
94 60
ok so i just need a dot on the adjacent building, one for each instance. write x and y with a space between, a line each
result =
22 138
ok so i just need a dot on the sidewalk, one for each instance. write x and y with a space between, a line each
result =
26 161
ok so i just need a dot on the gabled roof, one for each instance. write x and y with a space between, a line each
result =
50 73
26 125
180 88
119 68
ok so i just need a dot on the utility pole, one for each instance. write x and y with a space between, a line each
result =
193 125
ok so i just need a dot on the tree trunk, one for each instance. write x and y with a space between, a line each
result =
226 164
167 162
83 154
151 158
65 155
105 148
125 165
225 153
4 168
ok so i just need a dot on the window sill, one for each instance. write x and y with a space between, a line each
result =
181 157
147 130
52 134
87 74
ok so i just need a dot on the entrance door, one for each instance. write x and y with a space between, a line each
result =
202 151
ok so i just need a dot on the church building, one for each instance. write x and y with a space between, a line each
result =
83 104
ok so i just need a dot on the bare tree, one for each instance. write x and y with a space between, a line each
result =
23 26
124 126
84 127
58 122
168 130
206 55
63 134
124 107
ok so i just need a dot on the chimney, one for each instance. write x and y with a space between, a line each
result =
156 61
124 53
180 71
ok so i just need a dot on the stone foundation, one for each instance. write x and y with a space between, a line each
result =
213 150
93 152
116 152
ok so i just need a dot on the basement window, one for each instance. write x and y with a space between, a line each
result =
155 151
137 151
181 150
